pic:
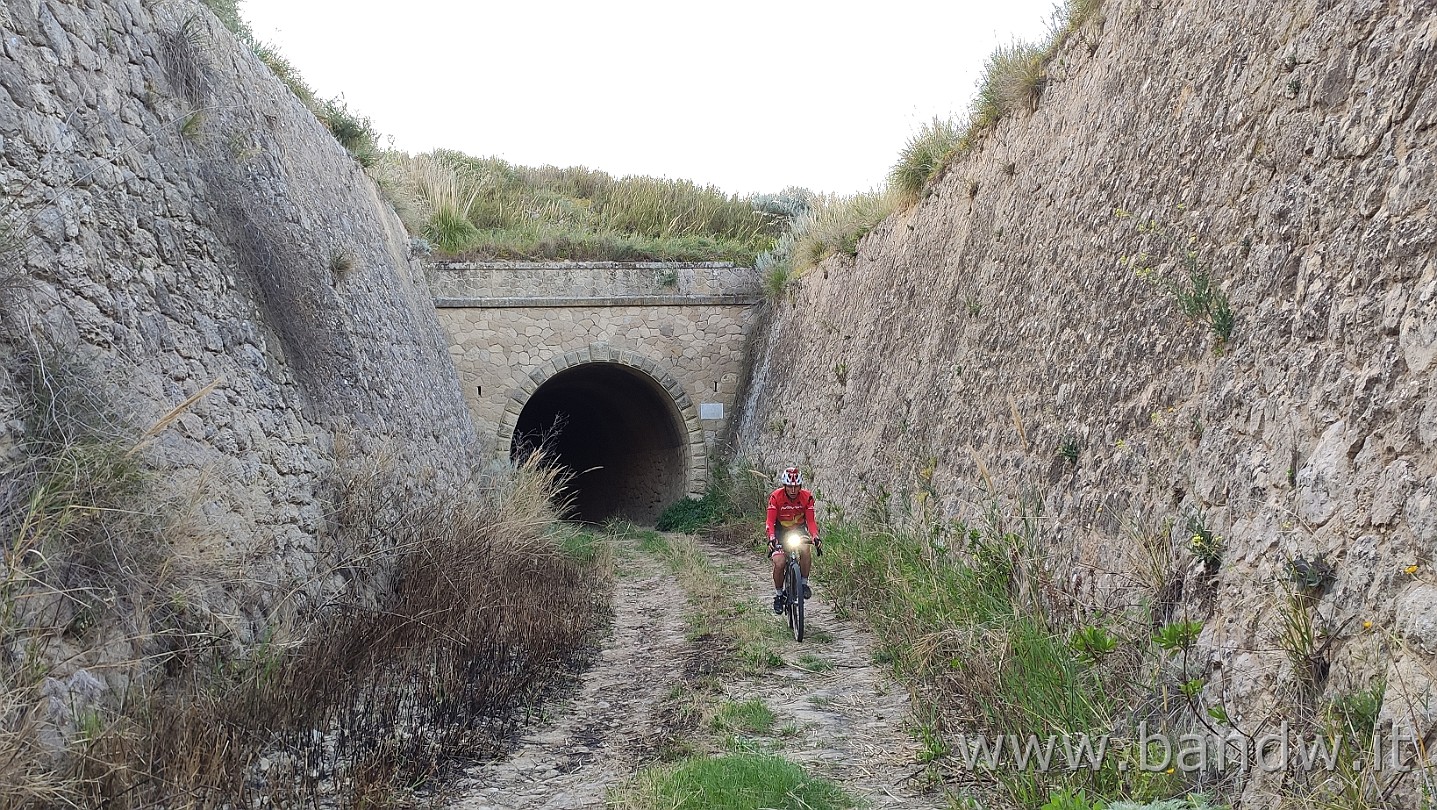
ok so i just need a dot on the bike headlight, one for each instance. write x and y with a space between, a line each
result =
793 541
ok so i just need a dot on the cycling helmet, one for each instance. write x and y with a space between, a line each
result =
791 477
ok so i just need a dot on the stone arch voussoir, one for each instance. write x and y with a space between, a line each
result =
604 353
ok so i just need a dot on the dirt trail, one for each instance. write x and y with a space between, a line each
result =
845 723
608 729
851 718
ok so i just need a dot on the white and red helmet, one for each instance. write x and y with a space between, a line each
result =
790 477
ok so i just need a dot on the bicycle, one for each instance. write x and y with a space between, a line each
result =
793 582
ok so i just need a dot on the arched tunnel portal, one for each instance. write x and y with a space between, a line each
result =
619 433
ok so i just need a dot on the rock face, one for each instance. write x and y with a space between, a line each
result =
175 217
997 339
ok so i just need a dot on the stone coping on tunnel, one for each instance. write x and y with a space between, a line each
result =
697 472
583 283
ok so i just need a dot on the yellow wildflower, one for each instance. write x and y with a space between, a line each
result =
1367 625
1411 569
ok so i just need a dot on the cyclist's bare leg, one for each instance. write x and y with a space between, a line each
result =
777 570
805 559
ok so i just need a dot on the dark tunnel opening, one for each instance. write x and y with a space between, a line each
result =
617 431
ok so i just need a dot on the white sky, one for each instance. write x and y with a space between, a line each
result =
746 95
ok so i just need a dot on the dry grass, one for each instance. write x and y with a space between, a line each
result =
457 610
483 208
184 54
836 225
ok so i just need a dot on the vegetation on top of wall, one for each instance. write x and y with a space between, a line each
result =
487 208
355 132
831 225
924 156
1013 79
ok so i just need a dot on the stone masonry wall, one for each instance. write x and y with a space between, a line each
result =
1291 148
509 324
179 219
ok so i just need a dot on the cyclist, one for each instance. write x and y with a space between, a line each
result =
790 507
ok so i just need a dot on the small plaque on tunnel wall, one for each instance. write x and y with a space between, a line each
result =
711 410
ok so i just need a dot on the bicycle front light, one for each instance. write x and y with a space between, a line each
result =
793 541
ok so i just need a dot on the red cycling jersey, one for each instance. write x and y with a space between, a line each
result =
789 512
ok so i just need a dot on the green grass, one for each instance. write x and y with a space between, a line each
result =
818 636
750 717
924 158
732 782
952 612
575 213
814 663
690 515
583 546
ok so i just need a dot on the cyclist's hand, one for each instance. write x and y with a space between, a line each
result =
818 545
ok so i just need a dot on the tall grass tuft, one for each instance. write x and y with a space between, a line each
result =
353 131
1013 79
923 158
1072 17
733 782
837 226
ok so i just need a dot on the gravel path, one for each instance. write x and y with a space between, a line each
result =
845 722
608 729
850 718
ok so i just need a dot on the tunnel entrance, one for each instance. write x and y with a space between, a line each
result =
617 431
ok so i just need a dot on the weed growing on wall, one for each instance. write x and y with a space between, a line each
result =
1171 262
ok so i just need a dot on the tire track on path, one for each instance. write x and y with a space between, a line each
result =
847 722
608 729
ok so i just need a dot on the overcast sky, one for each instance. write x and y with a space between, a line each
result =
746 95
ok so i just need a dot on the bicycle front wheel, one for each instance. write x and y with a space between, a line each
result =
795 601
